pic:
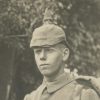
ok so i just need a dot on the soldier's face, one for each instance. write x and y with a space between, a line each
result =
49 60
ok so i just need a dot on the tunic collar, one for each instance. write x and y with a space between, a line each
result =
61 81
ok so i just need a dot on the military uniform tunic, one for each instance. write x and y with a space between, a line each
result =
63 88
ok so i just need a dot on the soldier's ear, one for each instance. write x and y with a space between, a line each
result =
65 54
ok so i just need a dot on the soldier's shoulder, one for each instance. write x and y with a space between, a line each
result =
99 79
31 95
90 94
85 93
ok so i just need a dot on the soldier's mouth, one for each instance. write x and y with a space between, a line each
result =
44 64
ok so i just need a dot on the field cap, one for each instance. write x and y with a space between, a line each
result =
47 35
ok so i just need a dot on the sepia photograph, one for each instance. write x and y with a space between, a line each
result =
49 49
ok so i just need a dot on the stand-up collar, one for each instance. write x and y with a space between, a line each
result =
61 81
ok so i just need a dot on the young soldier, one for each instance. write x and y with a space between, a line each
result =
51 52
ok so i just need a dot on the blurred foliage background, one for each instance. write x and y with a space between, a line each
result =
79 18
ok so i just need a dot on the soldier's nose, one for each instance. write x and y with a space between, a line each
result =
42 55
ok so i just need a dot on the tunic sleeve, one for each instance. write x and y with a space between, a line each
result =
30 96
27 97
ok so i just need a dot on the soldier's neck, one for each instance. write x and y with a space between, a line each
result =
53 77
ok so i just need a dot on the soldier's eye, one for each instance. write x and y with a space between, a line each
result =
49 49
37 50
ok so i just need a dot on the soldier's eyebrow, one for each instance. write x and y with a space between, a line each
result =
41 47
37 47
